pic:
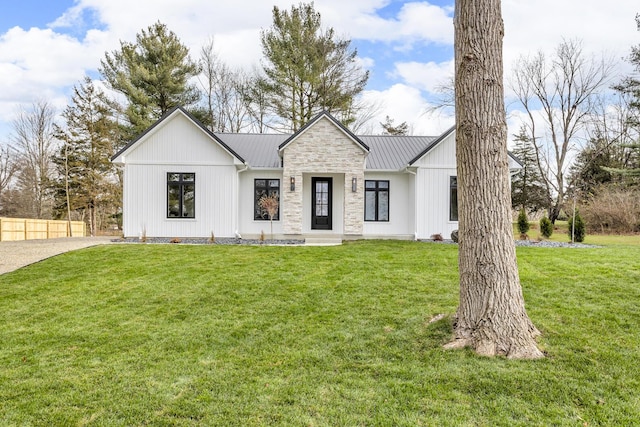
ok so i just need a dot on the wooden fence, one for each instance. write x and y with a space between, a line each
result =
27 229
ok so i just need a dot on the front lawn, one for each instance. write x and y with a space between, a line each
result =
309 336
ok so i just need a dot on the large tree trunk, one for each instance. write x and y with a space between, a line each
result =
491 317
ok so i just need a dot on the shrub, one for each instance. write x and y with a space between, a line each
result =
613 210
579 231
523 222
546 227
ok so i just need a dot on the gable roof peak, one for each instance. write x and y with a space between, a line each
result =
170 113
325 114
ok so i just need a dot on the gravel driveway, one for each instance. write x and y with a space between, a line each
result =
14 255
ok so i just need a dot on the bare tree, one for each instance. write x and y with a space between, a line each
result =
33 138
8 166
209 63
225 92
270 204
558 95
255 98
491 317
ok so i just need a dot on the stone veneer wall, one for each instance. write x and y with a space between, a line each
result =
323 148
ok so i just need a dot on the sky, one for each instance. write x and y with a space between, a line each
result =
48 46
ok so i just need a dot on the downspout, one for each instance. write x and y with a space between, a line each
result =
237 201
415 201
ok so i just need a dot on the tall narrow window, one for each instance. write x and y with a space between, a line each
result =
376 200
453 198
265 187
181 195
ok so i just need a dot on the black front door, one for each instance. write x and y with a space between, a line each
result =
321 203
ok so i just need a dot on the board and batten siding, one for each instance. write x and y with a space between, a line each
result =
145 203
401 207
433 190
248 226
177 145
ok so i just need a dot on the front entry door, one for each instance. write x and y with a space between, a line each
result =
321 203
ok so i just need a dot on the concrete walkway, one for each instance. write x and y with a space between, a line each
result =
14 255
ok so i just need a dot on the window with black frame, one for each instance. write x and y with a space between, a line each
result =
453 198
376 200
181 195
265 188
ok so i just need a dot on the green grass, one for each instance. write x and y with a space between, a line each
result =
560 234
309 336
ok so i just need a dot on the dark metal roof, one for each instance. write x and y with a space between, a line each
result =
259 149
388 152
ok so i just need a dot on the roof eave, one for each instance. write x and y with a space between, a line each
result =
332 119
433 144
166 116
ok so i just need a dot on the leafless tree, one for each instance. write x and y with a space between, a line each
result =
558 95
33 138
209 62
8 166
225 92
491 317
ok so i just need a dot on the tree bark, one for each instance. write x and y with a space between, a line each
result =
491 317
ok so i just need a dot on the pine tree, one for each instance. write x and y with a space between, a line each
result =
87 177
390 129
308 69
527 187
631 87
153 74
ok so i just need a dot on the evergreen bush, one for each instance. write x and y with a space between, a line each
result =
523 222
546 227
580 229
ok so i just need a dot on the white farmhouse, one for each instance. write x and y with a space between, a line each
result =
181 180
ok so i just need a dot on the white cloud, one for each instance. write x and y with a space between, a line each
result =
404 103
425 76
541 26
38 63
415 22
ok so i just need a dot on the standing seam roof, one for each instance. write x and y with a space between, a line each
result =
386 152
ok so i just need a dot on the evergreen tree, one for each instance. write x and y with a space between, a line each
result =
523 223
546 228
87 177
577 229
631 87
153 74
389 128
527 187
308 69
594 165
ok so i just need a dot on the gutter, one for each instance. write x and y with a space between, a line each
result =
415 200
237 197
